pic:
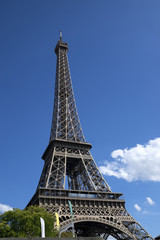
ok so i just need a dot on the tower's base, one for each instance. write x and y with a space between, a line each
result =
95 214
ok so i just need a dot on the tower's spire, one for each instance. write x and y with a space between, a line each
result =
60 35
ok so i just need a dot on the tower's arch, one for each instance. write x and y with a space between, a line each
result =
93 227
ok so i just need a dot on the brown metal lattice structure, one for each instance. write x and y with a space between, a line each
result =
70 172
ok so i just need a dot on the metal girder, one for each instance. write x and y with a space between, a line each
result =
79 170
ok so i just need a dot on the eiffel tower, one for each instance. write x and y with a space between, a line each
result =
70 172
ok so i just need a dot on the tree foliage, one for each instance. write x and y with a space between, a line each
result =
26 223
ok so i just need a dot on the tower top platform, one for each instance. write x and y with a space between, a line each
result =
61 44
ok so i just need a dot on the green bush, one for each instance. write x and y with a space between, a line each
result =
26 223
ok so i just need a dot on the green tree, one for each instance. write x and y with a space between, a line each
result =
26 223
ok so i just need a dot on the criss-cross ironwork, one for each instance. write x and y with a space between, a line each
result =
65 122
70 172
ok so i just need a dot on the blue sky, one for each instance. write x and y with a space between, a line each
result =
114 56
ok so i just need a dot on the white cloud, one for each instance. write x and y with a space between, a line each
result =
137 207
138 163
150 201
5 208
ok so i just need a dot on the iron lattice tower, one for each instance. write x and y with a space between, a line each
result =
70 172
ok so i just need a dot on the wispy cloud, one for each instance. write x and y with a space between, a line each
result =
137 207
149 213
150 201
138 163
4 208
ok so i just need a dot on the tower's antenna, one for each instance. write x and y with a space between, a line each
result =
60 35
